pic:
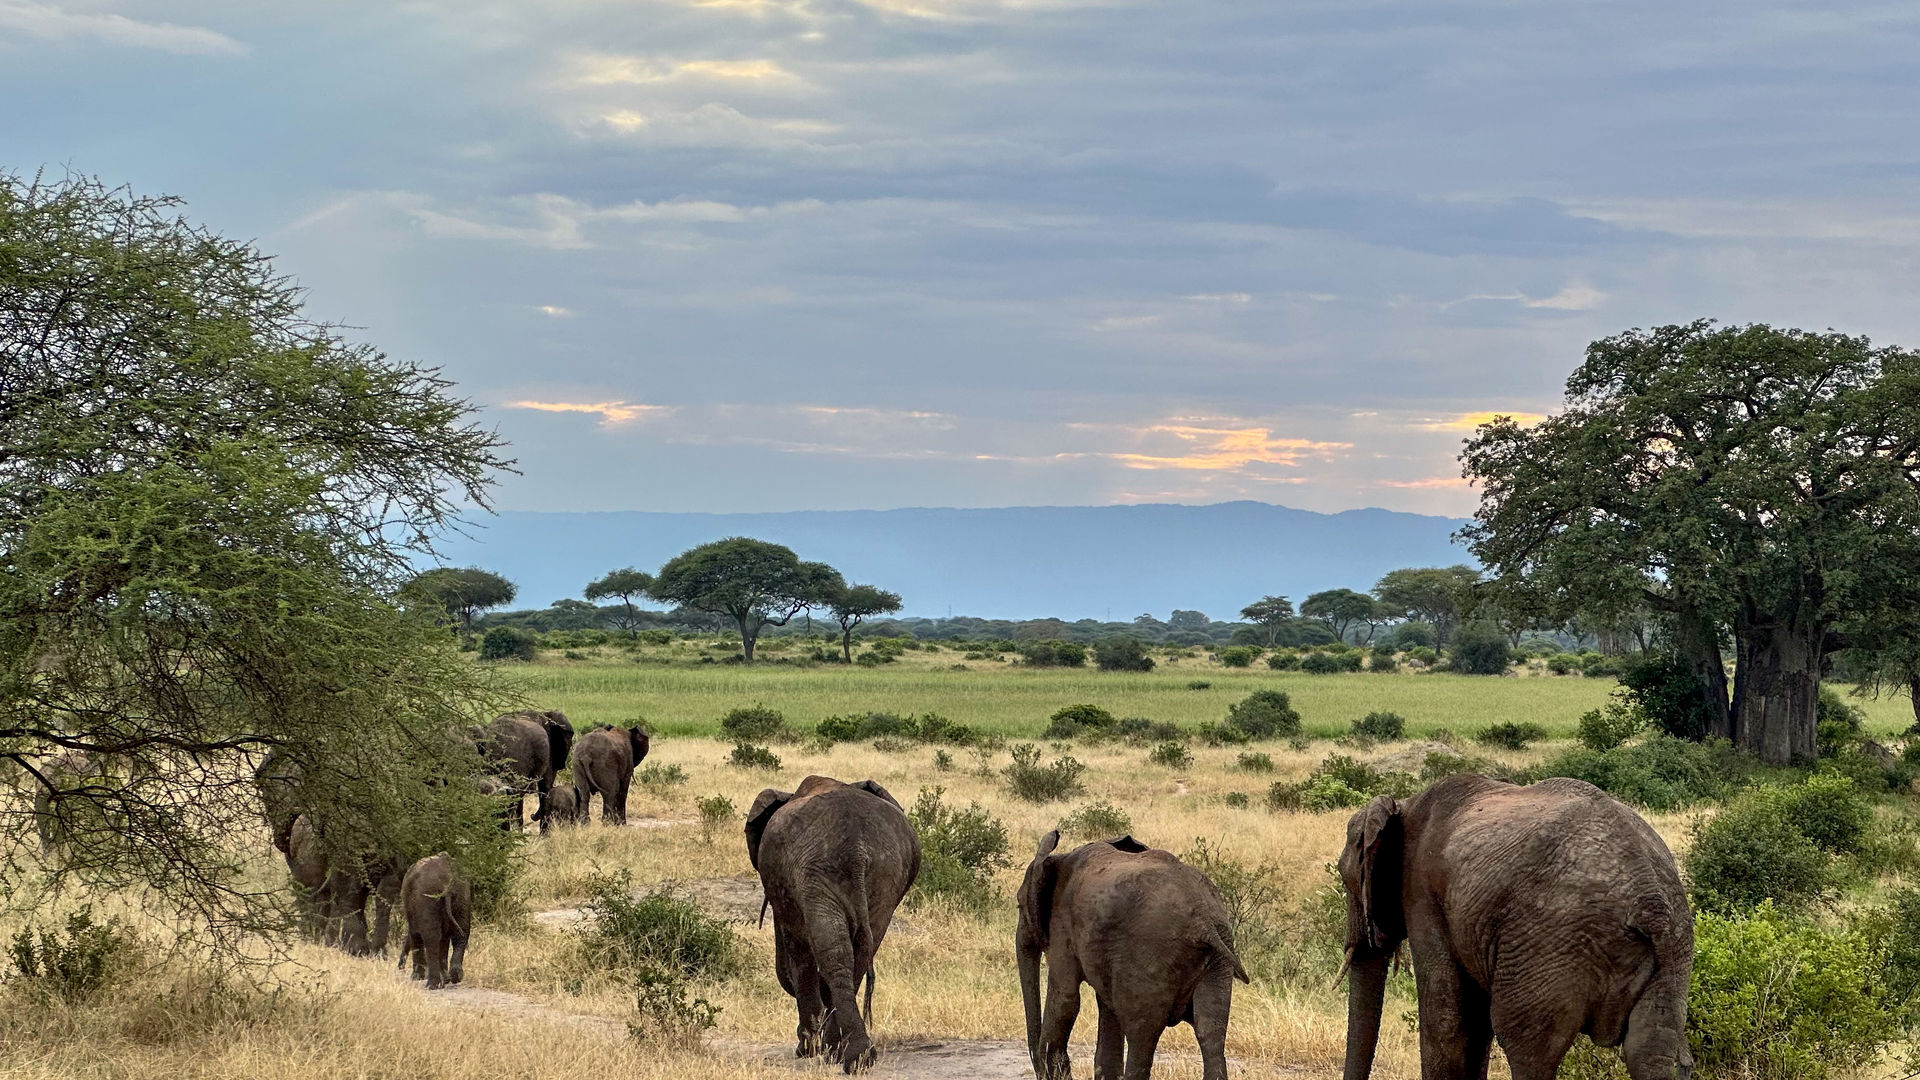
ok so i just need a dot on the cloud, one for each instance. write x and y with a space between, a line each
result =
1471 421
1574 297
1429 483
555 311
49 23
611 413
1222 449
1220 298
600 69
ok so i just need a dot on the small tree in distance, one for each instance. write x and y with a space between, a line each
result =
755 583
1339 609
461 592
1270 613
625 584
855 604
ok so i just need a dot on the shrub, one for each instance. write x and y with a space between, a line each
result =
1413 635
654 637
755 723
1775 999
1255 763
1508 735
1122 654
1199 684
1440 765
1837 724
1422 654
660 929
1611 724
1239 656
1099 820
1053 654
959 852
1284 661
1320 663
662 779
666 1014
1034 782
1222 735
1563 663
1236 799
1138 730
506 643
1659 773
1479 648
1601 666
1264 714
1171 754
715 811
1077 721
72 964
1385 726
1316 794
942 761
1253 894
1748 853
748 756
1382 659
1828 810
887 744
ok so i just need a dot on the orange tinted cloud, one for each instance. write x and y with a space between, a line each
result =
1471 421
1430 482
611 413
1226 449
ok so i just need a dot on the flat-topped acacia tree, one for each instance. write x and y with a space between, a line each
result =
755 583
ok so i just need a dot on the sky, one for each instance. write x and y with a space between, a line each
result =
762 255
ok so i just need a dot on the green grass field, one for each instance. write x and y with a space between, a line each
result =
688 699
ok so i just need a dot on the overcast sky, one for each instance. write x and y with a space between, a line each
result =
795 254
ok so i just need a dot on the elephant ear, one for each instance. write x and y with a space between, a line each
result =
761 812
1382 844
1127 844
559 739
638 738
1036 893
872 788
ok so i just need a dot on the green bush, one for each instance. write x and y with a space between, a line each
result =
1236 799
1122 654
1508 735
1284 660
1413 635
1383 660
1098 820
506 643
1199 684
72 964
1316 794
1171 754
1221 734
1385 726
1053 654
1776 999
1480 648
1255 763
1611 724
1659 772
1828 810
1239 656
960 850
654 637
1254 896
1079 721
1440 764
1264 714
662 779
1325 663
859 727
1423 654
660 929
755 723
1138 730
1838 725
715 811
1602 666
1028 779
1749 852
666 1013
748 756
1563 663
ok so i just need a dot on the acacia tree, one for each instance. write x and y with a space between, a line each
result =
1339 609
462 593
1432 594
626 584
755 583
1751 479
206 503
856 603
1271 614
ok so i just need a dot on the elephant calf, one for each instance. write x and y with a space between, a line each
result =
439 917
603 762
566 806
1146 931
835 860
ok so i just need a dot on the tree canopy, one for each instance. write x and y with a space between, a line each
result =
1432 594
1751 480
752 582
856 603
1339 609
461 593
626 584
205 503
1271 614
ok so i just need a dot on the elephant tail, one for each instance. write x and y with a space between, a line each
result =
1223 947
1654 919
868 1014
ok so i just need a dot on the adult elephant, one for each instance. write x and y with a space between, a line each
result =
603 763
334 892
1534 914
834 860
526 749
278 778
1148 933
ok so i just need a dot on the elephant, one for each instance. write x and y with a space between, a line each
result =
526 749
278 779
439 908
1533 914
603 763
1149 933
334 895
566 806
834 861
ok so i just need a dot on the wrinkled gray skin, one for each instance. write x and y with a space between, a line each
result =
1534 914
334 899
278 780
526 749
603 764
439 911
565 806
1146 931
64 771
508 797
834 860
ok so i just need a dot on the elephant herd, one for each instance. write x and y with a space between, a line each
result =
1533 915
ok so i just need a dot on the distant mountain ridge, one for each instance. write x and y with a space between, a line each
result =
1020 562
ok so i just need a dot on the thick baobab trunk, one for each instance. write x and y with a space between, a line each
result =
1697 641
1777 698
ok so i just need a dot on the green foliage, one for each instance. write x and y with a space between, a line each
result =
1053 654
1171 754
1837 724
1480 648
960 850
942 761
1660 772
1222 735
1750 852
1441 764
1329 663
1563 664
1076 721
755 722
1612 724
457 593
662 779
1098 820
1283 660
1382 659
1385 726
1508 735
666 1013
1251 762
1339 781
1264 714
752 582
1122 654
1253 895
715 811
1433 595
749 756
625 583
75 963
1776 999
1239 656
1199 684
659 929
506 643
1139 731
1423 654
1826 809
1236 799
1028 779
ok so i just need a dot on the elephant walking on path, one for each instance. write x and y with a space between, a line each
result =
603 762
1534 914
834 860
439 908
1148 933
526 749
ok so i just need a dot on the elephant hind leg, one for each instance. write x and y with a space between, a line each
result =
1142 1042
1110 1054
1212 1003
1656 1044
839 974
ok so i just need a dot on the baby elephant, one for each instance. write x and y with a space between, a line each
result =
565 806
439 915
1147 932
